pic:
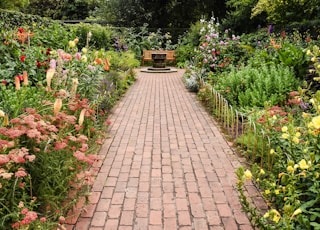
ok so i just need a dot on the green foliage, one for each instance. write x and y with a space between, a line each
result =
50 126
123 60
238 16
294 56
187 44
14 102
158 14
12 19
13 4
139 39
248 87
287 11
102 36
60 9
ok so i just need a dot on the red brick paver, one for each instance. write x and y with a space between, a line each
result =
165 166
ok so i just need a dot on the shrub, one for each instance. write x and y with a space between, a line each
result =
248 87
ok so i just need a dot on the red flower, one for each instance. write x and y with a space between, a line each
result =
308 39
22 58
48 51
39 64
4 82
21 30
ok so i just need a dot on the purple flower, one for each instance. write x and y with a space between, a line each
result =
303 105
91 67
53 64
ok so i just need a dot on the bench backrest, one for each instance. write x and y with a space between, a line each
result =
147 54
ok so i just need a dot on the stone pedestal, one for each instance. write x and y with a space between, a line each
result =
159 60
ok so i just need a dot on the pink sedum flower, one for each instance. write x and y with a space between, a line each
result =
4 159
21 173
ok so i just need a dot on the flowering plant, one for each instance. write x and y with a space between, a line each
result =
218 50
50 122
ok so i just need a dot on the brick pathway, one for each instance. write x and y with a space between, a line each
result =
165 165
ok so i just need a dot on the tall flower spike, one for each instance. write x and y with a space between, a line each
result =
49 77
25 78
17 82
57 106
75 84
81 117
5 120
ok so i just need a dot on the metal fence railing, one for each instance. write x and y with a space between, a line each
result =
241 129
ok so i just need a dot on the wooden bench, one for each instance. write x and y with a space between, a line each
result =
147 55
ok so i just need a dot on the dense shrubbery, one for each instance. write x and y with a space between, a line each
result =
265 78
55 94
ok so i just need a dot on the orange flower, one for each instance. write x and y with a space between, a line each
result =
57 106
106 66
273 42
49 77
81 117
17 82
67 57
25 78
276 47
98 61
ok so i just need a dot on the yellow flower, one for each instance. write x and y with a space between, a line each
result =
262 172
284 129
276 191
296 212
272 151
317 175
305 115
72 44
266 215
298 134
248 174
276 215
295 140
310 125
312 101
2 113
290 169
309 52
84 58
84 50
276 218
267 191
285 136
316 122
303 164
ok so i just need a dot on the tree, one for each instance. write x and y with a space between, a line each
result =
238 16
13 4
61 9
286 11
158 13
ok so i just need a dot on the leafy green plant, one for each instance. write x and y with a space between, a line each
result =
249 87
